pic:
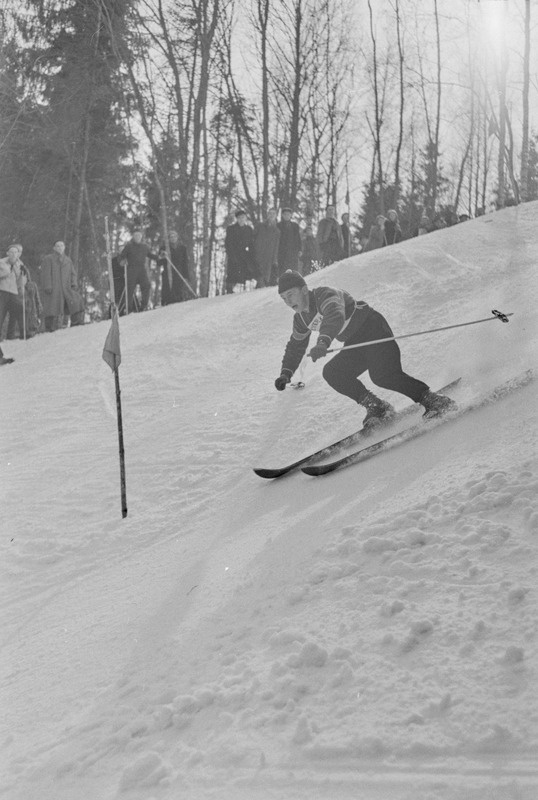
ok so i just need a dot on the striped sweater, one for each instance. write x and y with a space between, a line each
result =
333 313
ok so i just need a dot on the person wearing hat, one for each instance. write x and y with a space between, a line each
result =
239 246
61 296
10 302
290 245
134 260
330 239
335 314
266 241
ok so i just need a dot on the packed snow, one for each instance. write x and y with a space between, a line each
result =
368 634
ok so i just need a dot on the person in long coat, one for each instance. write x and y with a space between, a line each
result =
289 248
376 237
392 230
330 239
266 241
60 293
239 245
175 291
310 258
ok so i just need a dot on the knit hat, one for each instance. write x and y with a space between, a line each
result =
289 280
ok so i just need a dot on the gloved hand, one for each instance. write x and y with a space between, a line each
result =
282 381
318 351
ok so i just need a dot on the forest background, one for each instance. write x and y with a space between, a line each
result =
172 114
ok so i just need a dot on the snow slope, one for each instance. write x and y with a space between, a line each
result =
369 634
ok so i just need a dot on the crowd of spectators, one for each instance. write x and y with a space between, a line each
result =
254 253
262 252
27 308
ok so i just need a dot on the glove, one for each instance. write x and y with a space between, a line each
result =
282 381
318 351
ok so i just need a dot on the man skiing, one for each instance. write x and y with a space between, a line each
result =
335 314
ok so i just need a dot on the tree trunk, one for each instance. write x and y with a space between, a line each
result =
397 180
526 83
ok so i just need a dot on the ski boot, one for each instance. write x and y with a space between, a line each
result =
377 411
436 404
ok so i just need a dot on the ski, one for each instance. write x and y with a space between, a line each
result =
346 441
415 431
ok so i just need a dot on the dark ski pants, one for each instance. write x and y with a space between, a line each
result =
138 277
383 362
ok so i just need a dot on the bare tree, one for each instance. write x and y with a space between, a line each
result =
526 83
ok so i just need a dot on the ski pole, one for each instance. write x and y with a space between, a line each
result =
496 315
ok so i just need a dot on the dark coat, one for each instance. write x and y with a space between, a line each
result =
177 291
239 244
393 232
330 240
266 241
59 286
310 254
289 246
376 238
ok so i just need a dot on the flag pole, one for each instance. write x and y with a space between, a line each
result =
112 356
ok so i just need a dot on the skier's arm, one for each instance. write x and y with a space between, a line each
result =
294 352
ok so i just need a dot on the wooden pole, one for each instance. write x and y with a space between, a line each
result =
114 362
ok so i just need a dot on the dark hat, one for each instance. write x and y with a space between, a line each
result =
240 213
289 280
287 208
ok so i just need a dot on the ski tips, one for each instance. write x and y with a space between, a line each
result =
269 473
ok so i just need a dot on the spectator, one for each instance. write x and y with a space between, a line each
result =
289 248
10 302
60 290
21 274
310 251
330 240
134 256
392 230
33 310
376 237
3 360
173 288
424 226
239 244
266 241
118 275
346 235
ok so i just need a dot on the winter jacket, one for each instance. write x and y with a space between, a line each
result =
334 313
239 244
176 291
8 277
266 241
393 233
136 253
376 238
289 246
330 240
59 286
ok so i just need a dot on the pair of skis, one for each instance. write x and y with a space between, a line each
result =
306 465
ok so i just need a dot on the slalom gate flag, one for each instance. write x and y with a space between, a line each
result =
111 350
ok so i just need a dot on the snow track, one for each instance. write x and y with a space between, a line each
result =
371 634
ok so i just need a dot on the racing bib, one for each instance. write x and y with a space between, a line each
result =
315 325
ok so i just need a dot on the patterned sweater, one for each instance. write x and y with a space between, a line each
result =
333 313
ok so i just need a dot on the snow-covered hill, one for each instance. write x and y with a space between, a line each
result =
369 634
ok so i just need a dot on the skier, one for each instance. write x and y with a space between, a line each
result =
335 314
